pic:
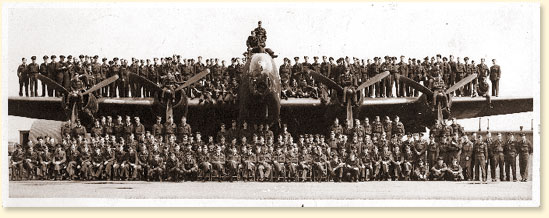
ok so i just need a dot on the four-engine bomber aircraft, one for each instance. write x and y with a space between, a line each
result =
259 102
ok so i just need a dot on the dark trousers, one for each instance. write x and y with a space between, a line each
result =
33 85
398 88
496 161
523 165
480 165
495 87
389 86
24 85
511 167
467 169
43 89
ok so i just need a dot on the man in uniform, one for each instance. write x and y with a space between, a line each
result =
158 128
438 171
118 127
58 162
497 158
156 168
495 74
248 162
105 70
22 73
184 128
455 172
467 157
403 70
170 128
189 167
525 150
52 74
480 151
44 72
511 158
32 70
217 160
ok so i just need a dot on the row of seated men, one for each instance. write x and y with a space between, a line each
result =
223 80
311 158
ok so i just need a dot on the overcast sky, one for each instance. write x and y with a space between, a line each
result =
506 32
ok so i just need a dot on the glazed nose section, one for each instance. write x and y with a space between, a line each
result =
261 65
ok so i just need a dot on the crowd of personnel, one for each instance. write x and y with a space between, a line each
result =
223 80
222 83
363 151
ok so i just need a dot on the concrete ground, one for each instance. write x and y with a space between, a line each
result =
395 190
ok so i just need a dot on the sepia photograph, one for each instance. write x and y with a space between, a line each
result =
270 104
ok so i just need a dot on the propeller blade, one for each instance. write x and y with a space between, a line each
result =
102 84
193 79
169 110
349 113
326 81
373 80
52 84
145 82
462 82
416 85
74 113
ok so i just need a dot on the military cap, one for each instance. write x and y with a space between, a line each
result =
386 57
109 117
158 117
61 56
509 133
111 62
315 57
296 58
81 56
33 58
375 58
438 55
96 57
198 133
426 58
258 22
115 59
45 57
466 58
444 59
104 59
440 158
331 58
522 134
69 57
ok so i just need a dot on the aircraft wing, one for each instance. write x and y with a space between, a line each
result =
48 108
467 107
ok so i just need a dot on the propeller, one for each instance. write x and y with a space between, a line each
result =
100 85
373 80
430 92
52 84
326 81
416 85
461 83
333 85
145 82
193 79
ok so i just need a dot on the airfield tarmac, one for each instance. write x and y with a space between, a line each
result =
402 190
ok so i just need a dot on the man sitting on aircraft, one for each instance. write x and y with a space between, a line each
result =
259 35
439 94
